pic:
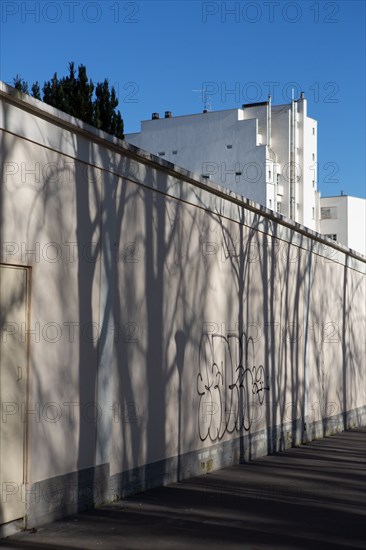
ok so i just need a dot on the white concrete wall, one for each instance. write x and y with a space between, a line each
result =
174 327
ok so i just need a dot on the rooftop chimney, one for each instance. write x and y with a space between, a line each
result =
302 95
155 116
168 114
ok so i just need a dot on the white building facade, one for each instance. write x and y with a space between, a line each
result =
264 152
342 218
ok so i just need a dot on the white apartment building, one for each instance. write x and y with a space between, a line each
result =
264 152
342 218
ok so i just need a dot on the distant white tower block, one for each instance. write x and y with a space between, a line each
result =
343 219
265 152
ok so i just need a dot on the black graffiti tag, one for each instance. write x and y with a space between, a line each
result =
228 384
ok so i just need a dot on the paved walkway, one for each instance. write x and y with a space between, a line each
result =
312 497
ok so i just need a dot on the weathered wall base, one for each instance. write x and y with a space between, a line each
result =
11 528
61 496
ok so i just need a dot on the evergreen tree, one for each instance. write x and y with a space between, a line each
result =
20 84
105 116
36 91
75 96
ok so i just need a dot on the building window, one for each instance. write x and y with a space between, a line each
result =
313 131
313 182
328 213
229 146
313 156
279 207
332 236
269 174
206 176
313 211
238 173
278 178
175 152
161 153
270 203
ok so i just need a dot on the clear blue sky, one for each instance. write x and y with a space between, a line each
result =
156 53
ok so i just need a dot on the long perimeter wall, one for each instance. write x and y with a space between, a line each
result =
170 327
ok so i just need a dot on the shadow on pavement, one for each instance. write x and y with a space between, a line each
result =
307 497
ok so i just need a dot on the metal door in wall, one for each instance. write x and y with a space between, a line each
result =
13 388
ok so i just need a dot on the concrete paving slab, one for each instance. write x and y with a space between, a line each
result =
313 497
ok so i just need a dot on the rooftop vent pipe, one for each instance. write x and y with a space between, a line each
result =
155 116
